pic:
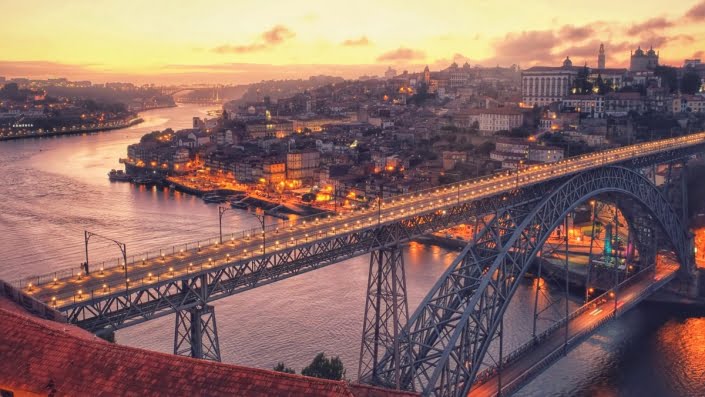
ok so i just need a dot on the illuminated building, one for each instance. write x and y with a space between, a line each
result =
543 85
302 165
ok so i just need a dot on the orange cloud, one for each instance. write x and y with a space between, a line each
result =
361 41
276 35
571 32
650 25
697 13
401 54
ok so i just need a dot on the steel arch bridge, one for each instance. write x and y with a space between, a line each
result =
441 349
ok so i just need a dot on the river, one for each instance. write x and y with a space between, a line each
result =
55 188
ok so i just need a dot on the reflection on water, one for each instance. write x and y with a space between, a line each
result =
53 189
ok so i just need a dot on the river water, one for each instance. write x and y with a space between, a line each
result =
53 189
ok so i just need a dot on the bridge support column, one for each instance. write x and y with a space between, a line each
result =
386 312
196 334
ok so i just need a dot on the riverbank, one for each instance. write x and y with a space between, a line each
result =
87 130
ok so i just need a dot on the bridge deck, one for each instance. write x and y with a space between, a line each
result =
528 364
70 290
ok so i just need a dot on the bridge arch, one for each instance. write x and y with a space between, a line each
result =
443 345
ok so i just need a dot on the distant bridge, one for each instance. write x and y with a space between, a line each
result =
442 348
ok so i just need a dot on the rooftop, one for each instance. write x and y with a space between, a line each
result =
41 357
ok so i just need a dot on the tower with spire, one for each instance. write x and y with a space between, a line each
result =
601 57
427 76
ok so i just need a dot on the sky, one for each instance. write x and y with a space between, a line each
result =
234 41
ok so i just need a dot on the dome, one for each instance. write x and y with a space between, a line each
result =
651 51
639 52
567 63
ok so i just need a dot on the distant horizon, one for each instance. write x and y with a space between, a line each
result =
218 74
158 42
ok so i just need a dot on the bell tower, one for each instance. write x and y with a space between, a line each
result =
601 57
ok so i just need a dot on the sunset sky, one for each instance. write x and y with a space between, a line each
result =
233 41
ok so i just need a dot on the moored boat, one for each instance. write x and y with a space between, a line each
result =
119 175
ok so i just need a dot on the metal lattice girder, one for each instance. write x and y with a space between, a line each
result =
120 309
443 346
386 310
196 333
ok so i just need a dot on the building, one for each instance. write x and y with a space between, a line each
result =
510 149
451 158
302 165
590 104
490 121
269 128
689 103
621 103
390 73
544 154
200 137
543 85
641 61
512 153
274 171
601 57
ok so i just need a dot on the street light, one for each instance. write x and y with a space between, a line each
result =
221 210
122 246
259 213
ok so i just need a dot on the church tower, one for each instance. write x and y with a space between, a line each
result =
601 57
427 76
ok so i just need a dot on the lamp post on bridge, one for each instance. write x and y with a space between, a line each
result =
521 162
259 213
221 211
122 246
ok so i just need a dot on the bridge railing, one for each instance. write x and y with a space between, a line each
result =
491 371
418 197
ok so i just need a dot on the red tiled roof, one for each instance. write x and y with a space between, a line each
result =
40 357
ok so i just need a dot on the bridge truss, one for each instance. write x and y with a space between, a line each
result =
442 348
390 353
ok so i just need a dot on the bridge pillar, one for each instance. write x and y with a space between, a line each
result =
386 312
196 334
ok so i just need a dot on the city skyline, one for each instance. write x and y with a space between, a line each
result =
164 44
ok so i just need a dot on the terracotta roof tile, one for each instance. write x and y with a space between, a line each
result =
41 358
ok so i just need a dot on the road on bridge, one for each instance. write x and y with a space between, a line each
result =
526 365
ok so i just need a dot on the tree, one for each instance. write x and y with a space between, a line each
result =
485 148
325 368
690 83
668 76
283 368
581 85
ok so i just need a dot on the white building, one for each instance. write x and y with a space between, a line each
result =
545 154
592 105
543 85
492 120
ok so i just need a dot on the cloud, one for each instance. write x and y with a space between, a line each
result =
650 25
534 45
239 49
571 32
277 34
272 37
360 41
697 13
401 54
